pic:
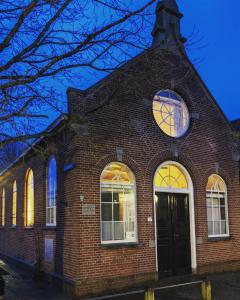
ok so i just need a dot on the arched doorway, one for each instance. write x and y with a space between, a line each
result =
174 220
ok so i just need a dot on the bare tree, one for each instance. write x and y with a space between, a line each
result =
42 41
10 152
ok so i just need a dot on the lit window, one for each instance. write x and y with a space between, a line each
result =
29 199
217 207
14 204
51 192
170 177
3 207
171 113
118 204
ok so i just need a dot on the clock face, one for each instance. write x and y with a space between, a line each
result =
171 113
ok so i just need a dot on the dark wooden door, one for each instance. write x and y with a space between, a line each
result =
173 234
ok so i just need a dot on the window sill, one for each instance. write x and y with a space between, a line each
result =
219 238
13 227
120 245
28 227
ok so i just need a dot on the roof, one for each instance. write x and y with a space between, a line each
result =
49 129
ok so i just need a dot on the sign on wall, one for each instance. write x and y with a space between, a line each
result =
48 253
88 210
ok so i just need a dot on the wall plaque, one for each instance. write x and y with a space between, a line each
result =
88 210
152 244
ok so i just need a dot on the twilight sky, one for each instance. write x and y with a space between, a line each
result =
218 23
214 26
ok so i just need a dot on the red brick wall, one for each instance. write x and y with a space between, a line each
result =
126 121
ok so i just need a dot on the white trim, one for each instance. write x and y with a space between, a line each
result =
226 207
171 190
218 236
190 192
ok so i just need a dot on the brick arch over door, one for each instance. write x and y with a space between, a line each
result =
184 160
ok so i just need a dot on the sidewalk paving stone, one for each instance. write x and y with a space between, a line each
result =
20 286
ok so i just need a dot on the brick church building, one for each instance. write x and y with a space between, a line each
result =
142 185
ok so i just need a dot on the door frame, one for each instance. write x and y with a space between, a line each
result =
190 193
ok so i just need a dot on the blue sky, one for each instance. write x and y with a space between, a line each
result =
216 38
218 23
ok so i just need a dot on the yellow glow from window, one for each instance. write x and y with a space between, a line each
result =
170 113
14 204
170 176
29 199
216 183
3 207
117 173
118 203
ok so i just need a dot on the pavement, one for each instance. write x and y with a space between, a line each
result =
20 286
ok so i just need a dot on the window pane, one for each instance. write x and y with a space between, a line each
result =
3 207
107 212
106 196
210 228
14 204
223 213
209 214
119 232
117 212
223 227
222 201
216 228
171 176
107 231
48 215
29 204
51 190
215 214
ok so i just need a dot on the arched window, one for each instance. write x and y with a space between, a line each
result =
14 204
51 192
217 211
118 204
3 207
29 199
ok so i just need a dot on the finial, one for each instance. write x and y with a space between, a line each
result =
166 32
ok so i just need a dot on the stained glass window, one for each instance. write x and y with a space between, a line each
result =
51 192
29 199
118 204
14 204
216 195
171 113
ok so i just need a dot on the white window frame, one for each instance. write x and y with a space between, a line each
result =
226 208
135 240
54 207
